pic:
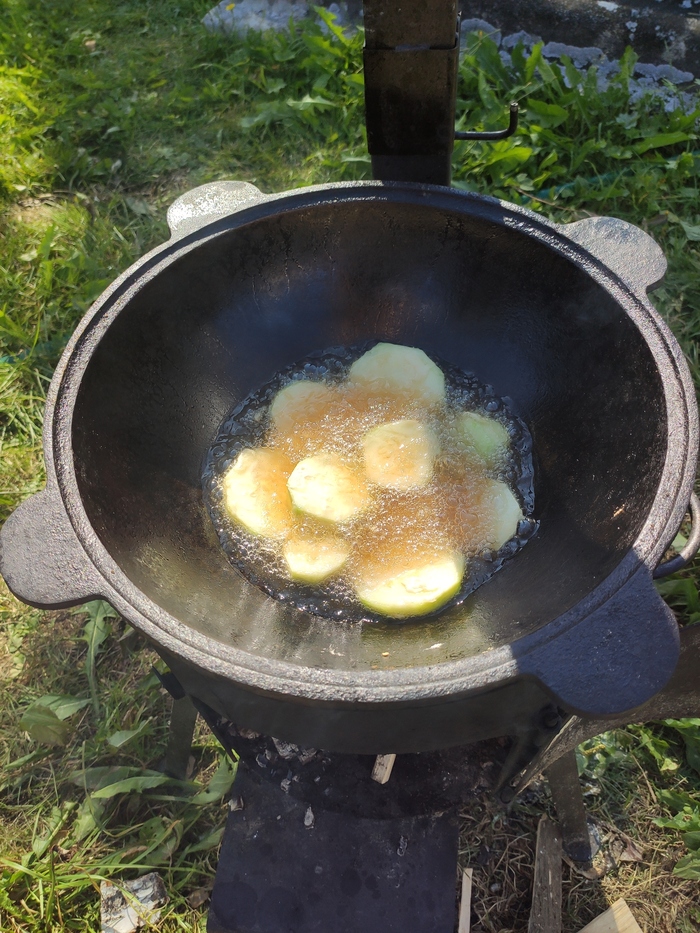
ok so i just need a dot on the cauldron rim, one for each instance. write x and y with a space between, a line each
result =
407 684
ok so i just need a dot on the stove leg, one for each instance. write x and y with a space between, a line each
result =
525 747
177 754
568 799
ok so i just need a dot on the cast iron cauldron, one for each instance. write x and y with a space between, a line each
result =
554 317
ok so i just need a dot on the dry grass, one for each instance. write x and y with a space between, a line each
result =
500 847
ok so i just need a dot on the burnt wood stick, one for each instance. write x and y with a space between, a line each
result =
465 903
381 772
545 914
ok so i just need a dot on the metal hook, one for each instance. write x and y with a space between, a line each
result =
497 134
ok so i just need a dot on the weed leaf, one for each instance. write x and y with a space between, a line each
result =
688 868
692 840
94 778
117 739
210 841
329 19
56 821
661 140
690 730
96 631
131 785
549 115
138 206
44 726
88 819
692 231
686 822
677 801
219 785
62 706
162 838
692 751
658 748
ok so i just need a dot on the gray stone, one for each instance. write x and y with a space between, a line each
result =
649 79
480 25
662 32
509 42
581 57
341 15
664 73
342 19
259 15
606 71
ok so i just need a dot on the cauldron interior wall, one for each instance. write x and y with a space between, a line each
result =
226 316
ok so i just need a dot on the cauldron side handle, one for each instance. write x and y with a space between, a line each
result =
629 252
616 658
208 203
41 558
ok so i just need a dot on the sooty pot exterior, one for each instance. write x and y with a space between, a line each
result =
554 317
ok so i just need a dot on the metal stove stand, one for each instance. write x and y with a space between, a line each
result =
313 843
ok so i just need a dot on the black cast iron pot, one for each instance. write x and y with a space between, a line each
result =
554 317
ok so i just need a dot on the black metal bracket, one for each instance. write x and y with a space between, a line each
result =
170 683
286 865
494 135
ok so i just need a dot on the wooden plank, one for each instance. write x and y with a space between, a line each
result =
616 919
381 772
465 903
545 914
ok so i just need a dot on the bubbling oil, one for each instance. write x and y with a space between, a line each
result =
400 526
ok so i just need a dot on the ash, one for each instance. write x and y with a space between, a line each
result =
420 783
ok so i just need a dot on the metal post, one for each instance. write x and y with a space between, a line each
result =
177 754
411 57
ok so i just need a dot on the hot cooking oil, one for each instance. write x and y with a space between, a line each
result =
446 511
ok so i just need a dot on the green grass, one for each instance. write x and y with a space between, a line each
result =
77 765
108 111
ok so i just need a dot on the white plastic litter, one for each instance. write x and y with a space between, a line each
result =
131 904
